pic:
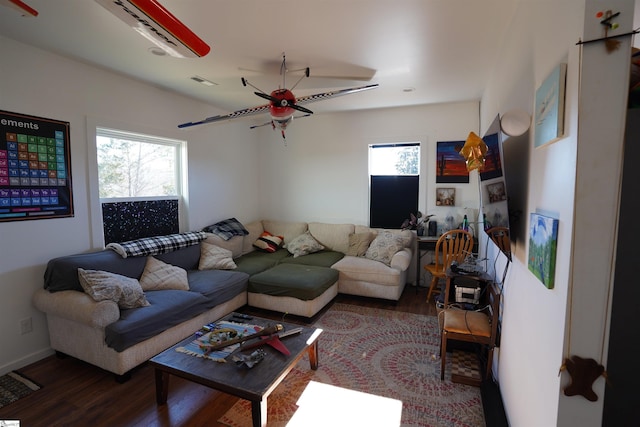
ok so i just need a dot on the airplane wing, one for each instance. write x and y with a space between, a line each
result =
240 113
333 94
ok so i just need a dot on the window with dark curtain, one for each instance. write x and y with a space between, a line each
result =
393 197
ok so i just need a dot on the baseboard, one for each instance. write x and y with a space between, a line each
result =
27 360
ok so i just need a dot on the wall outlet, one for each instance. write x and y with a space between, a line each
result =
26 326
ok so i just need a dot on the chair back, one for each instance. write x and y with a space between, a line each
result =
500 236
454 245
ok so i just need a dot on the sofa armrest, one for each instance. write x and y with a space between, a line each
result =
77 306
401 260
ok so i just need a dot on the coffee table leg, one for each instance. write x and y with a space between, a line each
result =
313 355
162 386
259 413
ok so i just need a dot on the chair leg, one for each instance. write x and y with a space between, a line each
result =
432 286
443 354
487 374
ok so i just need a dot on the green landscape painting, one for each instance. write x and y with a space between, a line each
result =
543 241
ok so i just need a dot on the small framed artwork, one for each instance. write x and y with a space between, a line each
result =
549 108
496 191
543 242
445 196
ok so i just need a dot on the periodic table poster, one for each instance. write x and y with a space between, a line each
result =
35 168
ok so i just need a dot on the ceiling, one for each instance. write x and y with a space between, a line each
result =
418 51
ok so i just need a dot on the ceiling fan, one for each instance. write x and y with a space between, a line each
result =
282 102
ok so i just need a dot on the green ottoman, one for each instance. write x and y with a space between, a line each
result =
293 288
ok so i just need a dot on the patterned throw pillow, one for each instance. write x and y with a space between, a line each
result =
158 275
359 243
268 242
384 247
214 257
304 244
102 285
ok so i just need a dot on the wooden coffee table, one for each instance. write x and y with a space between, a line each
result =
254 384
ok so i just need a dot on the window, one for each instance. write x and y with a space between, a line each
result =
140 183
394 174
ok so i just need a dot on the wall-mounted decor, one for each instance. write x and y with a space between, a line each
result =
497 192
549 112
35 168
451 166
543 242
492 159
445 196
125 221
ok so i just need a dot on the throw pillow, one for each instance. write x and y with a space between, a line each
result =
214 257
159 275
102 285
384 247
268 242
359 243
304 244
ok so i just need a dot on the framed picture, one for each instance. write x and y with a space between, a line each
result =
497 192
35 168
549 108
445 196
543 242
450 165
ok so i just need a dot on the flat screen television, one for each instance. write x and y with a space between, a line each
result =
503 187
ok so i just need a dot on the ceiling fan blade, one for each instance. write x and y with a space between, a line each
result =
300 108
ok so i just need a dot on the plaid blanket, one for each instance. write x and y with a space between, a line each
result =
158 244
227 228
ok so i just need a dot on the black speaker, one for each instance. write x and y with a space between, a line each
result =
433 228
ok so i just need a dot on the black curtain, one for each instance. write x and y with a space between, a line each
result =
393 198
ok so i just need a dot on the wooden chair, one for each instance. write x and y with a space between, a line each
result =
479 327
453 245
500 236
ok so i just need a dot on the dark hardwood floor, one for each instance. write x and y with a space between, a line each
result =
75 393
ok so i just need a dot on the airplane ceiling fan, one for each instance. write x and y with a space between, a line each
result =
282 104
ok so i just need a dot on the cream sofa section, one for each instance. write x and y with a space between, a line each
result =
77 323
358 275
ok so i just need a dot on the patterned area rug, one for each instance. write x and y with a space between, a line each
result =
14 386
382 353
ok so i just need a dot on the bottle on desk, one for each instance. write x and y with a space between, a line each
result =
465 223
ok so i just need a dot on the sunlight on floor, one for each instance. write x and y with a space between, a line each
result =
328 405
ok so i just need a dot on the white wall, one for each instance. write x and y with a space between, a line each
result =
222 172
322 172
537 323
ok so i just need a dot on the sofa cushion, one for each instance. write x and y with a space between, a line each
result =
105 286
159 275
319 259
332 236
359 243
168 308
364 270
304 282
288 230
61 273
267 242
384 247
217 285
214 257
234 244
255 229
304 244
257 261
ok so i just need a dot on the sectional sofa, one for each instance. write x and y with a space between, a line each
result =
289 267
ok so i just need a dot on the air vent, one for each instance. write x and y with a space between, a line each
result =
203 81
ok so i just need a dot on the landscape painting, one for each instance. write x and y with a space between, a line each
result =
451 166
543 242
